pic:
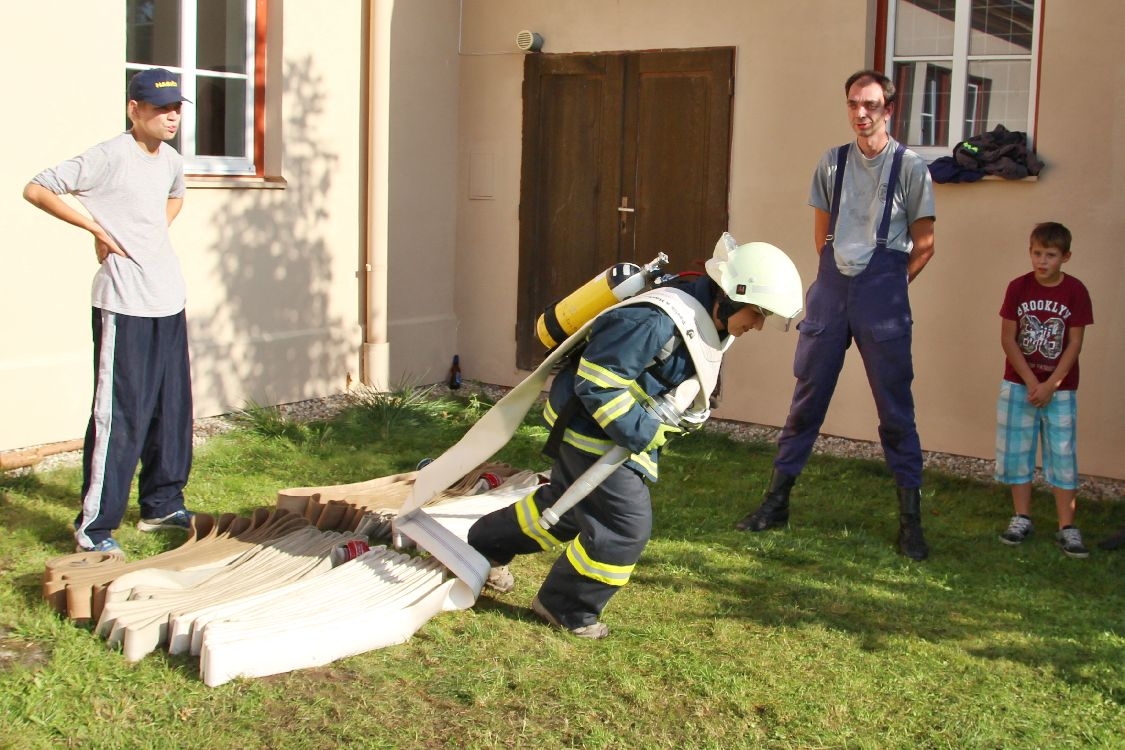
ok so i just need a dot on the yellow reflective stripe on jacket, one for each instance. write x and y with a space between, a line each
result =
585 443
601 376
599 447
644 460
528 516
614 408
620 404
550 416
611 575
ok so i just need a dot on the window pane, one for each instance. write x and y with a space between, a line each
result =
1001 27
921 114
998 93
220 128
221 35
923 27
152 32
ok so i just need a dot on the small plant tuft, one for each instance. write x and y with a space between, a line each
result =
270 422
403 406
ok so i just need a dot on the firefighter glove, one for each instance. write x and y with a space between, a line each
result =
664 432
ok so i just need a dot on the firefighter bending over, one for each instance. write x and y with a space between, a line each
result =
635 354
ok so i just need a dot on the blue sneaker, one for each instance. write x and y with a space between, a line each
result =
181 519
107 546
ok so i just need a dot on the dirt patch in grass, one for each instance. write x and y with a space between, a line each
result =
14 652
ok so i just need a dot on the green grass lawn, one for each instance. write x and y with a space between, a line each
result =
815 636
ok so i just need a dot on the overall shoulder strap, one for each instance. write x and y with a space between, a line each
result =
892 184
841 163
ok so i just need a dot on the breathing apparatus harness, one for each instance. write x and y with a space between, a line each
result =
656 291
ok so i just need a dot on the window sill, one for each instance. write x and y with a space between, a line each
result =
235 181
990 178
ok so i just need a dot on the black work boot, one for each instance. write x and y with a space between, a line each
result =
910 540
774 510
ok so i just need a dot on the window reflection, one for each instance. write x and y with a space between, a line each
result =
152 32
1001 27
219 129
993 80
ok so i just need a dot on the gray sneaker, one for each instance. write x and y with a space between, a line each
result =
1019 528
596 631
1070 542
181 519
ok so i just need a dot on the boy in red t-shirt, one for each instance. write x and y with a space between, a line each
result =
1045 314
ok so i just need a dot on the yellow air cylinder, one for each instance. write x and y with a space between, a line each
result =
616 284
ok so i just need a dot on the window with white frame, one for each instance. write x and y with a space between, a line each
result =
961 67
211 44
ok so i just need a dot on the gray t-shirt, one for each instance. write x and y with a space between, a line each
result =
861 204
126 191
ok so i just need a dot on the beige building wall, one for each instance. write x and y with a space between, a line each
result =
56 107
421 205
791 61
393 243
272 273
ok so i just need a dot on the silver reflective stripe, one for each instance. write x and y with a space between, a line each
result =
103 421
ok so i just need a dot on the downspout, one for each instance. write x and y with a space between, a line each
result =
376 348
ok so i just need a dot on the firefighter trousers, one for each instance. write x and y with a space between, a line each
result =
602 537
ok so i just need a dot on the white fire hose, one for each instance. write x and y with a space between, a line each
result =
673 409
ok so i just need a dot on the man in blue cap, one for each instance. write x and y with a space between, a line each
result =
133 187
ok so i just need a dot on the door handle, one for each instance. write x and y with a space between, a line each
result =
623 210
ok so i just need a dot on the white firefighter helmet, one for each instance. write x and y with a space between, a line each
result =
758 273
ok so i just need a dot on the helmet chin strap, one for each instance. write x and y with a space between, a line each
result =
726 308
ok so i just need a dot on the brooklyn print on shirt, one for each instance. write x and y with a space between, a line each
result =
1046 336
1045 315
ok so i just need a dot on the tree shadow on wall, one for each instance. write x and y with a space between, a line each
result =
274 337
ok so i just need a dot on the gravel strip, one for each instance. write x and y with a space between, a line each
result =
1095 488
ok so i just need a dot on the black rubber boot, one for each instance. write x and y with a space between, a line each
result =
910 540
774 510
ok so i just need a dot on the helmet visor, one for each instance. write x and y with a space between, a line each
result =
777 322
729 307
782 323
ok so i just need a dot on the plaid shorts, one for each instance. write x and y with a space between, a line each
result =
1018 426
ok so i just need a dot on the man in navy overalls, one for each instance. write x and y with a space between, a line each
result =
874 228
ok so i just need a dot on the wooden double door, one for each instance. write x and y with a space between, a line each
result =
625 155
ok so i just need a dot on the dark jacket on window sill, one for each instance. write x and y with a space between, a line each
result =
1000 152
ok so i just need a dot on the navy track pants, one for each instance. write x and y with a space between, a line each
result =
142 411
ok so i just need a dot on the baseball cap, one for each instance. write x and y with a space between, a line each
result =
156 86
